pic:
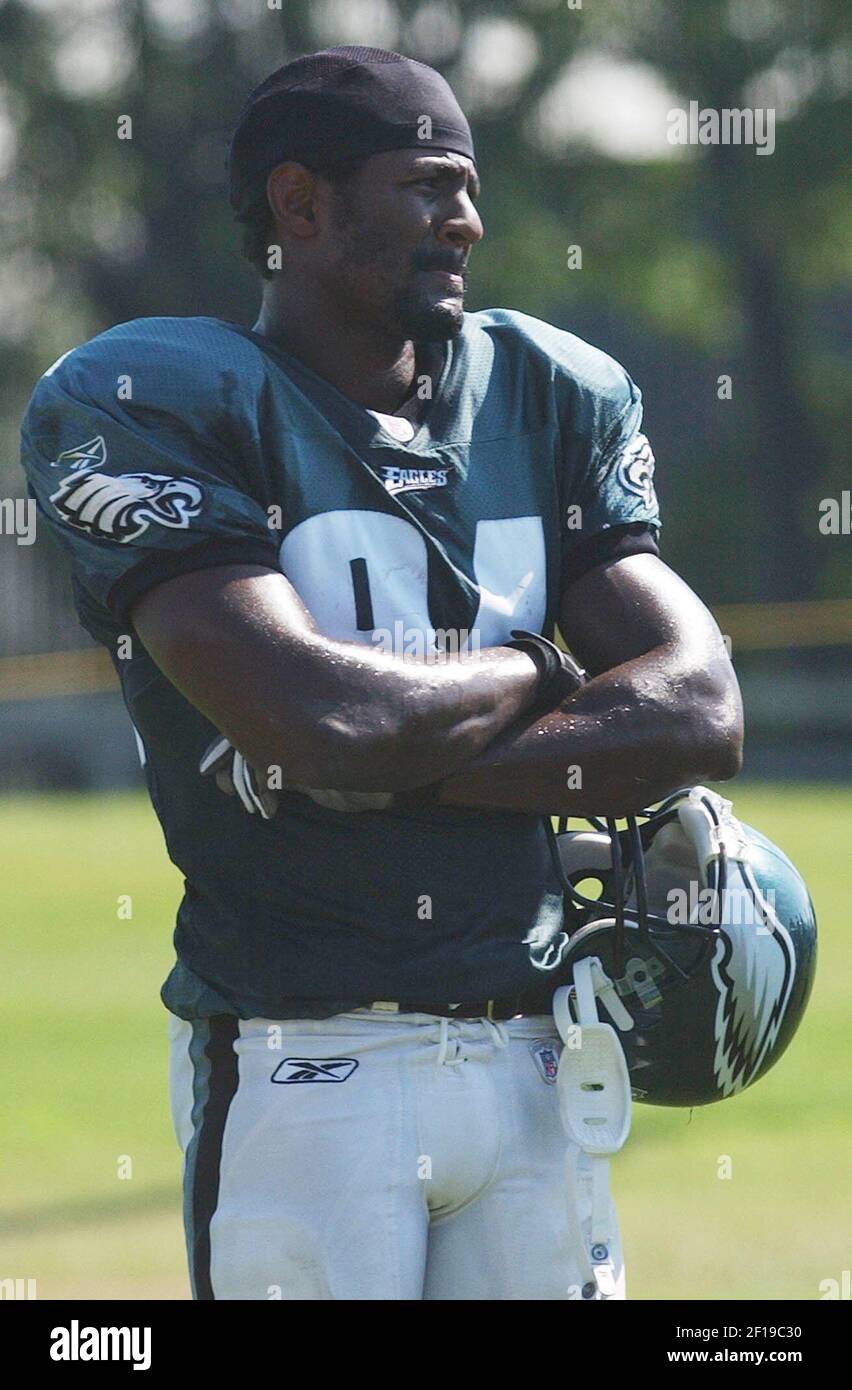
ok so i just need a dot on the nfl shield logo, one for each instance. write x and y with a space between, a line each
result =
546 1059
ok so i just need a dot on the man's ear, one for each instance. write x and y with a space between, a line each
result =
292 189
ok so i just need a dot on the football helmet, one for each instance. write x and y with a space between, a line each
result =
708 934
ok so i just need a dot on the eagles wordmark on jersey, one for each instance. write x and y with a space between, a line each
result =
529 452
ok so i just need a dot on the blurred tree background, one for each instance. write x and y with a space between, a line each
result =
698 262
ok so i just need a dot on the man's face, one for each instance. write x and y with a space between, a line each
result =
402 232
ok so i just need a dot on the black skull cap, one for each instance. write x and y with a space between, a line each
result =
337 105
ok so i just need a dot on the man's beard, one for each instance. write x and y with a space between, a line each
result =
424 321
408 310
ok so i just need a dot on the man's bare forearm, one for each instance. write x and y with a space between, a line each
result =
242 647
625 740
428 716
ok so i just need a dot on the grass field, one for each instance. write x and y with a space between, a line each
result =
83 1080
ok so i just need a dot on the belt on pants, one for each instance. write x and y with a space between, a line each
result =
495 1009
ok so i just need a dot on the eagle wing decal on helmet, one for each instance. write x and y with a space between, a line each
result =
753 969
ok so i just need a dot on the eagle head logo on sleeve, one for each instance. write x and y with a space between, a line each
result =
636 469
122 508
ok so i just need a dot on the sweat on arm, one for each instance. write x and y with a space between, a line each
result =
239 643
662 709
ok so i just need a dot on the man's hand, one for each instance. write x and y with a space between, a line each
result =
348 801
236 777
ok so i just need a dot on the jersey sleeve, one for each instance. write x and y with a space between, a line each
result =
610 505
603 462
140 488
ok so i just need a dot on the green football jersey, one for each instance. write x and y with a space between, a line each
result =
167 445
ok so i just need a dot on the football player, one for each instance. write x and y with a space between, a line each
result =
339 543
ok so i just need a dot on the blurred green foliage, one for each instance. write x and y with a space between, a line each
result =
695 263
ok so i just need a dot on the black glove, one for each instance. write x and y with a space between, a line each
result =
236 777
559 675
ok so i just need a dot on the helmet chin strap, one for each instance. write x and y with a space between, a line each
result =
618 896
715 836
593 1088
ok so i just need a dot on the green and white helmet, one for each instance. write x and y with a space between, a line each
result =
708 933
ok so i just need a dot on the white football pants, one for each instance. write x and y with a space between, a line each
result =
376 1156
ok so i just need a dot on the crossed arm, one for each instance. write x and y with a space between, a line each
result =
662 707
